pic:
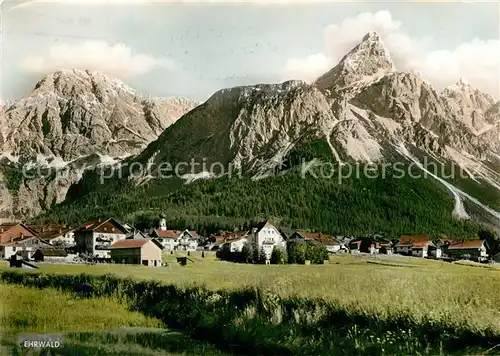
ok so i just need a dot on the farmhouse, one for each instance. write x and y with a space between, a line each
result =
417 246
18 239
167 238
57 235
95 238
331 244
236 245
147 252
467 249
265 237
175 239
188 241
384 247
355 246
50 255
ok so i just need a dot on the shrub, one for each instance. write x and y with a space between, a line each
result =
278 256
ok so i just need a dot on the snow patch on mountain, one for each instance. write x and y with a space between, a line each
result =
190 178
459 210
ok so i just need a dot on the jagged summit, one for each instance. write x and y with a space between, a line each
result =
369 60
80 82
462 82
71 113
371 35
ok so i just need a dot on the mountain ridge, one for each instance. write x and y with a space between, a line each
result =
363 111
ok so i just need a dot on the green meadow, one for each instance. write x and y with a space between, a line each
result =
352 305
91 326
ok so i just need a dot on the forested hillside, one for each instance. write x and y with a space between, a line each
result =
355 206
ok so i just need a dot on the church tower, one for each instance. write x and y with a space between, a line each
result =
163 223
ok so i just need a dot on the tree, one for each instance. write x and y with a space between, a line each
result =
296 252
262 256
255 255
278 256
247 254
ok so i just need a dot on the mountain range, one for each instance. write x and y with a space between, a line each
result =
363 113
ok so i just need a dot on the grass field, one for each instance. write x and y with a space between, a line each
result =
99 326
369 292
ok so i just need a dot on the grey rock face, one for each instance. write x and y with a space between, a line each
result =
368 61
245 126
73 113
71 121
364 108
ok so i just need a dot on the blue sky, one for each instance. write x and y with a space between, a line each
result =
195 49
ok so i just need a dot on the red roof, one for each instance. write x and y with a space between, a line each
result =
168 234
229 236
414 238
420 244
50 231
129 243
466 244
319 237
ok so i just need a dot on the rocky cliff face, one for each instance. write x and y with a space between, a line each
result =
366 62
71 121
73 113
248 127
365 109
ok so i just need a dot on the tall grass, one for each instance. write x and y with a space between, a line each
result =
256 320
89 326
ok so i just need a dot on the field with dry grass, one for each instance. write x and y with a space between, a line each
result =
423 293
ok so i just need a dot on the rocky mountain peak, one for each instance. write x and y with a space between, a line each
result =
71 113
78 82
367 61
470 106
462 82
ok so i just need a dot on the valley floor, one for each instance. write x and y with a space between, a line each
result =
373 295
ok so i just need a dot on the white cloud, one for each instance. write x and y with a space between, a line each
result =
477 61
116 60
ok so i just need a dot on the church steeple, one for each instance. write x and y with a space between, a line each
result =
163 223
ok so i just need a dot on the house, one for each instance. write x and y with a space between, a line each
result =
54 255
266 237
383 247
331 244
237 245
417 246
235 241
477 249
147 252
95 238
57 235
188 241
18 239
167 238
423 249
355 246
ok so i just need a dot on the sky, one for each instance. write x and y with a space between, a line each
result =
193 49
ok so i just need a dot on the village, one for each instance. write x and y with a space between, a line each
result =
110 241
